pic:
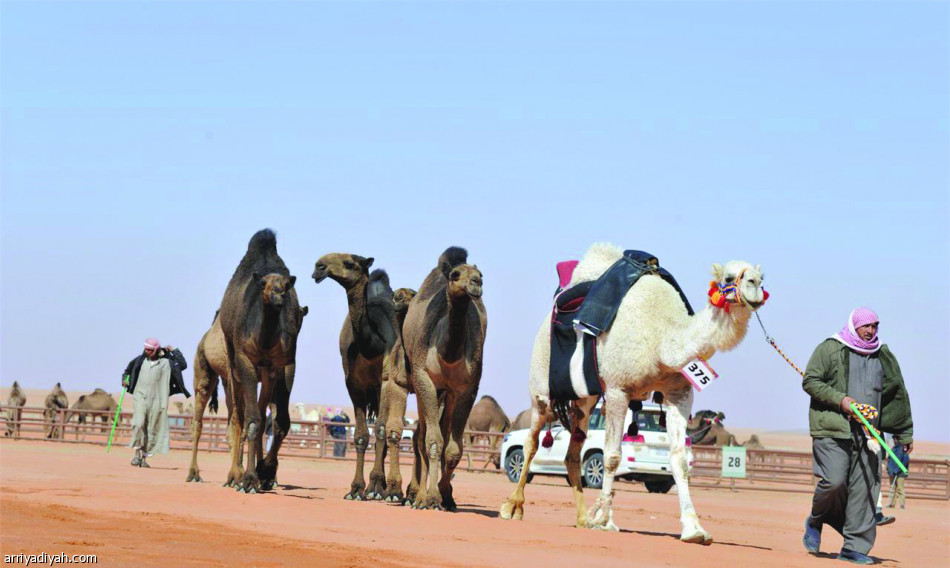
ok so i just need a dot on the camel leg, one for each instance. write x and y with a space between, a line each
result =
580 420
681 405
395 398
361 439
281 398
269 377
431 409
615 410
454 422
203 386
247 375
377 476
513 507
235 398
418 435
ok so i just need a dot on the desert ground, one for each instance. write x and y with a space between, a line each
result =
78 499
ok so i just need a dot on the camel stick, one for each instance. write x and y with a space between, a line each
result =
877 436
114 420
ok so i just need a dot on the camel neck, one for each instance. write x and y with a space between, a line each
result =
452 345
270 323
711 330
356 300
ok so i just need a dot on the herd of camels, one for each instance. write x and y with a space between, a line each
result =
430 342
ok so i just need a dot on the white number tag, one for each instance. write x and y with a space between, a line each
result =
699 373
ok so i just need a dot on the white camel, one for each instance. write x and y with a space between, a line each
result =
651 339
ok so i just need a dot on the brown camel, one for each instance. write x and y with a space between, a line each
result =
523 420
211 363
394 394
705 429
55 402
487 416
99 401
16 400
444 336
260 322
365 339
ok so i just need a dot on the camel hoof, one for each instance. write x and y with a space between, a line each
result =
252 490
268 485
698 538
508 511
240 489
348 497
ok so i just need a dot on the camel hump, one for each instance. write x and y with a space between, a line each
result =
99 391
263 241
379 284
453 256
490 398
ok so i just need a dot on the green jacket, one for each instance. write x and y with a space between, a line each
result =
826 381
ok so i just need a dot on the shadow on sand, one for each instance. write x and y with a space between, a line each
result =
677 537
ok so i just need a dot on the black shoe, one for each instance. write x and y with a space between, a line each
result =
812 538
880 519
855 557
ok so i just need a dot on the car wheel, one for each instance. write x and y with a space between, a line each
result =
514 462
592 470
663 486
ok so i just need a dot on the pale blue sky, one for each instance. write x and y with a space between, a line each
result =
143 143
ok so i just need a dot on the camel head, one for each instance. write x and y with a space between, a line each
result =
274 288
346 269
739 283
464 280
401 299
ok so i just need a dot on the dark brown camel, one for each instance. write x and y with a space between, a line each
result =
705 429
488 416
16 401
365 339
56 401
98 400
394 394
444 336
260 322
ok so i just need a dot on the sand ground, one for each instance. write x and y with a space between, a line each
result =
78 499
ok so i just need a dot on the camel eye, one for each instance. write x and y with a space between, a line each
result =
730 279
348 265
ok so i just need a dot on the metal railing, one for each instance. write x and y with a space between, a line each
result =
766 470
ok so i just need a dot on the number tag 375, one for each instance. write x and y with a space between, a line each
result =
699 373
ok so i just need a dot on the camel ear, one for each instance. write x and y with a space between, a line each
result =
368 262
446 268
717 271
293 280
758 268
304 311
721 415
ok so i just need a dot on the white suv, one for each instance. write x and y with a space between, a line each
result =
644 457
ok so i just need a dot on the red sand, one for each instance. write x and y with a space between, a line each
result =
77 499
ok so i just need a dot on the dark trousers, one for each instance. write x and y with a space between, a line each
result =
339 449
846 496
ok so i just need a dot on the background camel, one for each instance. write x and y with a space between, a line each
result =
444 336
651 339
523 420
98 400
365 339
705 428
488 416
260 322
16 400
211 363
394 395
55 402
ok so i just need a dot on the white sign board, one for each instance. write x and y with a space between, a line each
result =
733 461
699 373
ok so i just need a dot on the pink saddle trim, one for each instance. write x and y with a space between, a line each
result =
565 270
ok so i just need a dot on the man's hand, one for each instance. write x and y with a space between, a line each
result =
908 448
169 348
846 406
125 383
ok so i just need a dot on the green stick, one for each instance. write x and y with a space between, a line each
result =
114 420
877 436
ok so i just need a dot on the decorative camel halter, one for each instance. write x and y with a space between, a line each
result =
723 295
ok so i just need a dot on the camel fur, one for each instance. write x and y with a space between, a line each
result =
56 402
99 401
651 339
366 337
488 416
444 337
211 363
260 322
16 401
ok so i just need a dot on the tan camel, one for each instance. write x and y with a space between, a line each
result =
211 363
652 338
365 339
523 420
99 401
444 336
56 401
488 416
394 394
16 401
260 321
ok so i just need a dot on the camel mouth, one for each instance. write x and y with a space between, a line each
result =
318 278
755 305
475 295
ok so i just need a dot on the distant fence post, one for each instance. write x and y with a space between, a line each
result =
322 437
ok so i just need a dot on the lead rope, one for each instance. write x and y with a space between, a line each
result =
772 343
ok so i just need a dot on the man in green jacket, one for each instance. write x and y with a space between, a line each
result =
852 366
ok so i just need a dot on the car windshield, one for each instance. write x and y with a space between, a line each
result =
596 420
649 422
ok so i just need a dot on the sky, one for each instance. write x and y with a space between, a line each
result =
143 143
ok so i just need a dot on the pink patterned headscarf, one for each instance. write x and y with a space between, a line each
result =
848 335
152 344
